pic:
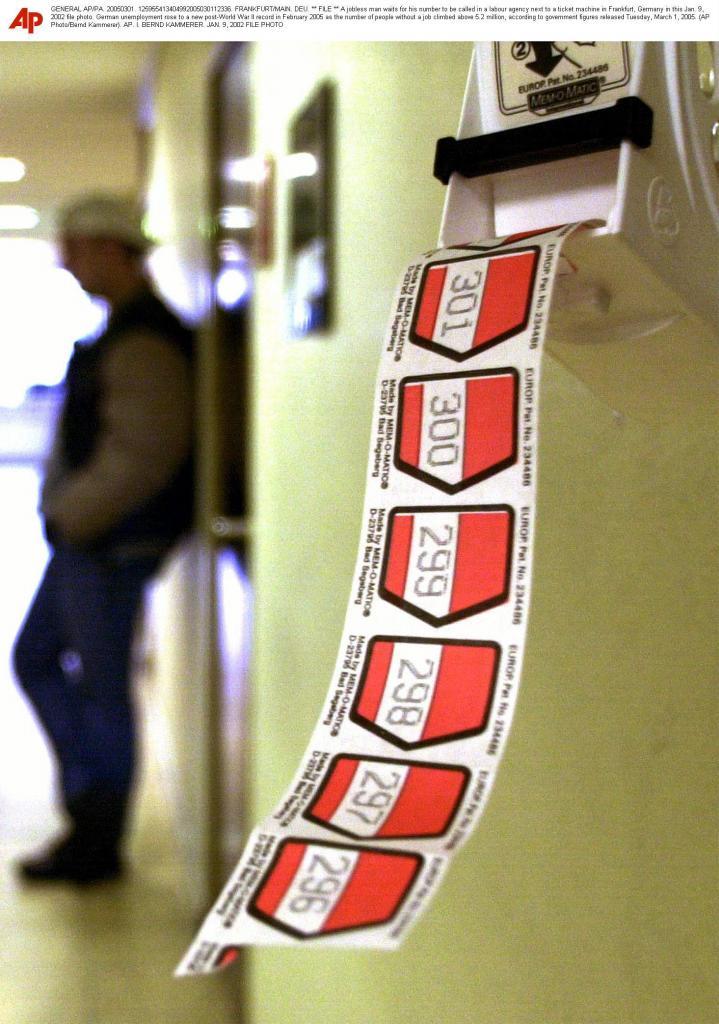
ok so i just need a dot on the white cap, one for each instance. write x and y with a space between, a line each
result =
103 215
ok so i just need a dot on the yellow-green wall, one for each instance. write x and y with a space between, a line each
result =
583 897
314 397
588 894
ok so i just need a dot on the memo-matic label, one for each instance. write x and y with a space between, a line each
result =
536 79
381 798
443 564
456 429
469 304
417 693
313 889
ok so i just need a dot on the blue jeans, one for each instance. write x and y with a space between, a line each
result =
72 658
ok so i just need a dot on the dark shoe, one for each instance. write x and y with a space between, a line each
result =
44 866
98 818
89 853
67 861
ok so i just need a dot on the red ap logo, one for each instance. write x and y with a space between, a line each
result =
27 19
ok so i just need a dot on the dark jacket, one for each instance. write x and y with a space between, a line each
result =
121 469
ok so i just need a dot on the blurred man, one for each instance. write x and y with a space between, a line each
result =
117 494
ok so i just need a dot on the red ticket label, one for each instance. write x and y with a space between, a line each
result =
443 564
381 798
456 429
416 693
313 889
468 304
227 956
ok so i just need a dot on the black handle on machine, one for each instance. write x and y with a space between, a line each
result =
629 119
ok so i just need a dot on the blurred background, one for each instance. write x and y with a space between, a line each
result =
286 184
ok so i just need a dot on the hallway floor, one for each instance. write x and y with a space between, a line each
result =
104 955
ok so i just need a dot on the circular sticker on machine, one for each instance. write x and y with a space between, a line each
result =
313 889
416 693
381 798
456 429
468 304
443 564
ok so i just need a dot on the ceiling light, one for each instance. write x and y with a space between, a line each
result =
11 169
232 286
239 218
300 165
247 170
18 218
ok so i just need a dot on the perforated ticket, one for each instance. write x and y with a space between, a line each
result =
402 759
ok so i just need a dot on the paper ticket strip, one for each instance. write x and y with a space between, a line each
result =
406 749
401 762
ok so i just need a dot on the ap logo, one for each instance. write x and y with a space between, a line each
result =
27 19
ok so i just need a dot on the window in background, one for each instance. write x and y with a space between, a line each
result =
42 312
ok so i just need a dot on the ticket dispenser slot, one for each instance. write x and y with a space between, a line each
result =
636 162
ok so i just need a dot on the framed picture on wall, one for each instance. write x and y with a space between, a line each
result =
309 175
